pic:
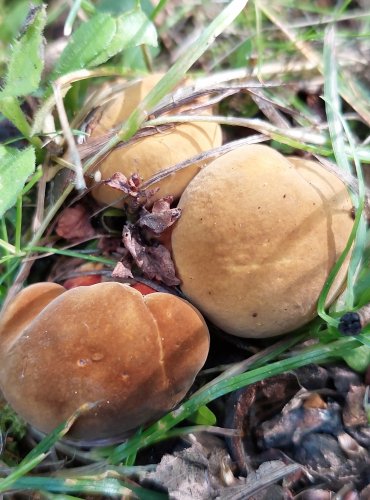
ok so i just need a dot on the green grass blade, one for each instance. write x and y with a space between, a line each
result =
157 432
68 25
338 130
71 253
18 224
332 101
40 451
109 487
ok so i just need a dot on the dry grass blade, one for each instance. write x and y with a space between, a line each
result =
349 90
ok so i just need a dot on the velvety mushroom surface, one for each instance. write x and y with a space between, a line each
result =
258 236
154 153
134 356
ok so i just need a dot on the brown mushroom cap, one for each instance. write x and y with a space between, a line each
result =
134 356
258 236
152 154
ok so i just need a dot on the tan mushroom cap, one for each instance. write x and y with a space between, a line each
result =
151 154
135 356
258 236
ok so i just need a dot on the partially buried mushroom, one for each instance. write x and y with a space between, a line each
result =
258 236
135 357
149 155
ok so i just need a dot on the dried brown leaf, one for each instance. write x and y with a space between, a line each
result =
130 186
122 271
154 259
74 223
161 217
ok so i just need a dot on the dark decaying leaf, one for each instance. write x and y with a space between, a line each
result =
154 260
308 427
131 187
292 427
161 217
248 407
110 245
74 223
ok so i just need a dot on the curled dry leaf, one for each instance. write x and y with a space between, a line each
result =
161 217
122 271
130 185
74 223
154 259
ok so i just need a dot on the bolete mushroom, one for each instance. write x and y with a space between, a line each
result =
258 236
151 154
134 356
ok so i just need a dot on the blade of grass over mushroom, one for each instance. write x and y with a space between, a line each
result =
40 451
157 432
298 134
212 153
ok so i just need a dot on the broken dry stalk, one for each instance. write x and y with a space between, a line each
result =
80 181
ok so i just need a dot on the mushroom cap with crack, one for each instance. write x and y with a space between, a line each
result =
152 154
134 357
258 236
